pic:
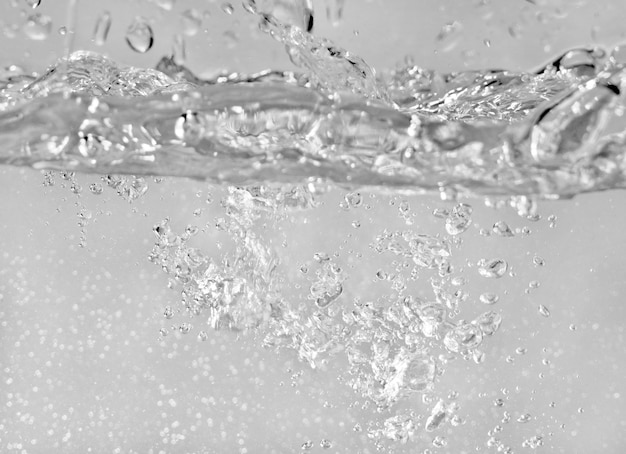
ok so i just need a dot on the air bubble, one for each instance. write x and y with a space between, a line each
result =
326 444
307 445
493 268
501 228
139 35
538 261
168 312
459 219
203 336
489 298
543 310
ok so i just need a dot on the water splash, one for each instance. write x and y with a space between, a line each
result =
217 129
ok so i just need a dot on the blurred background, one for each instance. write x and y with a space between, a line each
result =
84 367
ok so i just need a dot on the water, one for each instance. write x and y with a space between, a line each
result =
388 310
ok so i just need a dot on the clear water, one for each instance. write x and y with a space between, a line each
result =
395 305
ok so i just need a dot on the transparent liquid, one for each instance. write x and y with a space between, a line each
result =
378 321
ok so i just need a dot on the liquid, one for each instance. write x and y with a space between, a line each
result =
387 312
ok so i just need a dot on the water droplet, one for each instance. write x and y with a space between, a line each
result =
32 3
101 30
501 228
493 268
489 298
297 13
139 35
543 310
228 8
38 27
191 20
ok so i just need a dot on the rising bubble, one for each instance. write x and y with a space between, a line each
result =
492 268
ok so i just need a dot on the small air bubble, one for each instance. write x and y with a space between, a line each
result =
326 444
501 228
489 298
95 188
493 268
543 310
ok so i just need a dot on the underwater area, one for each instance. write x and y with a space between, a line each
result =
326 226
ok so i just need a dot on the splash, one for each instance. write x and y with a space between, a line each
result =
556 133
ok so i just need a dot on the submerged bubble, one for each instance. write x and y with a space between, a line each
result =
459 219
139 35
488 322
489 298
501 228
38 27
538 261
101 31
492 268
543 310
462 338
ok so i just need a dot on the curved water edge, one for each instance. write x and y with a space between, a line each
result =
474 135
